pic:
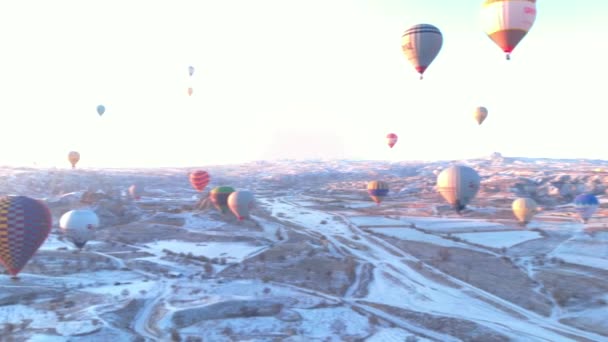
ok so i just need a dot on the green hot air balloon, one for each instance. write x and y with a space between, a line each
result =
219 197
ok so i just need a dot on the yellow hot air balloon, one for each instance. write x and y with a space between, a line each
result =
481 113
506 22
524 208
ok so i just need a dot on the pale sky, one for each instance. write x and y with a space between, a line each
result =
292 79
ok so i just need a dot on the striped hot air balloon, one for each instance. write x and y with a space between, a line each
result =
481 113
506 22
524 208
25 224
377 190
199 179
458 184
391 139
219 197
421 44
73 157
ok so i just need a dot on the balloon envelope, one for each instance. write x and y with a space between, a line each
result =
458 184
73 157
586 205
524 208
25 224
190 91
101 109
391 139
199 179
481 113
506 22
190 70
79 226
377 190
421 44
135 191
219 197
240 203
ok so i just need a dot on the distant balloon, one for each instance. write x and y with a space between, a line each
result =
219 197
73 157
524 208
481 113
190 70
391 138
135 191
79 226
458 185
506 22
25 224
199 179
101 109
240 203
586 205
377 190
190 91
421 44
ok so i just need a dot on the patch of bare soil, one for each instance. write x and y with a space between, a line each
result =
496 275
301 262
460 328
573 289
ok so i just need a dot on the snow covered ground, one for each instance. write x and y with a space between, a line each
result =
300 270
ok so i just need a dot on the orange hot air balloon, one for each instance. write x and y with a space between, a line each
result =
199 179
73 157
190 91
391 138
25 224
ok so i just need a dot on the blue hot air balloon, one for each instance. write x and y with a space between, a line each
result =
586 205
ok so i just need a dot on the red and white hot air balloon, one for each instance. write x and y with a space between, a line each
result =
391 139
199 179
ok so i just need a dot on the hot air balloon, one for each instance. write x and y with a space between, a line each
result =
190 91
135 191
391 138
240 203
73 157
190 70
377 190
586 205
79 226
506 22
458 184
421 44
481 113
101 109
25 224
524 208
219 197
199 179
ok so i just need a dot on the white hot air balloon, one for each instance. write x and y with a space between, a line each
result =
506 22
79 226
240 203
458 184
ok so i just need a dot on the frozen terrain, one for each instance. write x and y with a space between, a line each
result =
318 260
